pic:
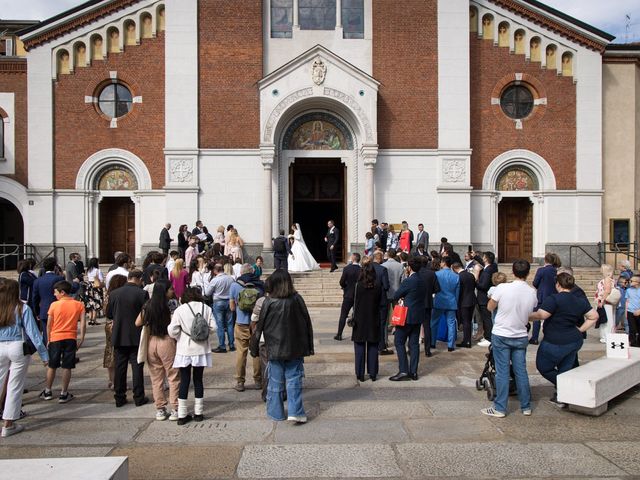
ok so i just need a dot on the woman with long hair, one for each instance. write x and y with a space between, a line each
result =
235 245
161 350
192 355
198 273
183 239
405 238
179 277
604 307
288 334
366 323
109 359
26 277
218 238
17 323
93 297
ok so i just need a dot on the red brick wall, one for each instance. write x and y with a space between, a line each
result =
80 130
550 131
230 59
405 61
14 80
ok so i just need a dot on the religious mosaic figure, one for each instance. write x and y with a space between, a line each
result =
318 135
516 180
118 179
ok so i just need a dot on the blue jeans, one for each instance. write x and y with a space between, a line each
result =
452 327
281 373
552 359
535 332
512 350
224 322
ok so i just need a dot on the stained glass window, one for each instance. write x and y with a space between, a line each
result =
281 18
317 14
353 18
517 102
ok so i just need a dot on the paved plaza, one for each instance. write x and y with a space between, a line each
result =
429 428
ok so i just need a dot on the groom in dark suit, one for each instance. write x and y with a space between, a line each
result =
332 242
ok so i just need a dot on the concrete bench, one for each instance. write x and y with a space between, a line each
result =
588 388
95 468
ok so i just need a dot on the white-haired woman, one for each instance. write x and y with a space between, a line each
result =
605 302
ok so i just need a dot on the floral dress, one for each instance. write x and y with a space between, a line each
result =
93 297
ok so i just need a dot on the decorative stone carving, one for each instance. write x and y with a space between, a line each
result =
453 171
318 71
281 107
351 102
181 171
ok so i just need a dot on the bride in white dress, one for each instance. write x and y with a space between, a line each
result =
300 259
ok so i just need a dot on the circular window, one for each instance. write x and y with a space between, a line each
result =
517 102
115 100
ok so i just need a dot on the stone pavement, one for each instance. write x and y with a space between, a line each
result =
429 428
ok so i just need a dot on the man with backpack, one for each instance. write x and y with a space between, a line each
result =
242 299
281 252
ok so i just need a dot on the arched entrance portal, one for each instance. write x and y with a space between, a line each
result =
315 146
515 214
117 214
11 233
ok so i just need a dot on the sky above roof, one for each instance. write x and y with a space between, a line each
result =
609 16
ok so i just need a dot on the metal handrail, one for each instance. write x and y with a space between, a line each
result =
598 261
16 250
631 252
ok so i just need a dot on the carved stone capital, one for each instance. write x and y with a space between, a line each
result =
267 154
369 154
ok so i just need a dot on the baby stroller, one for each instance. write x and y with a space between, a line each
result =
487 380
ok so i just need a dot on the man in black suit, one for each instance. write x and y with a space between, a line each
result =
125 304
165 239
384 236
198 231
423 238
413 291
382 276
483 286
348 280
333 235
281 252
466 303
432 287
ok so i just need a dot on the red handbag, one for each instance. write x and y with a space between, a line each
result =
399 316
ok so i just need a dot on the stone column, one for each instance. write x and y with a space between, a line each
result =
267 155
370 157
296 21
338 13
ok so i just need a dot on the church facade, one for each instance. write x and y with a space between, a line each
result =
481 119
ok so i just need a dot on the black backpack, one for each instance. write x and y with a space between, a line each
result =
279 246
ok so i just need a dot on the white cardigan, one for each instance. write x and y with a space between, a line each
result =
181 322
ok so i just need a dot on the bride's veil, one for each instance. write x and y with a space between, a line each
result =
300 232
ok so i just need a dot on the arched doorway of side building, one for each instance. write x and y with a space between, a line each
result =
117 213
11 233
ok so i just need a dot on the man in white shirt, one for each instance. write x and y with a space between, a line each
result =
122 262
513 303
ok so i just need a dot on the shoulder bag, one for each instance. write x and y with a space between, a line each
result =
28 348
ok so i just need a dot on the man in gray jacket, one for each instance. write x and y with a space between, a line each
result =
395 271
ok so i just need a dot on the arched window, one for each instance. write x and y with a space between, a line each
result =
63 62
487 27
535 49
160 22
518 39
113 40
96 48
146 22
551 57
503 34
129 32
116 177
80 55
473 20
567 64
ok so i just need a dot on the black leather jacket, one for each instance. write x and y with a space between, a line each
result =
286 325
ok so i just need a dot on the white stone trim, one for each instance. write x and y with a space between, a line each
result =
8 163
537 164
86 177
15 193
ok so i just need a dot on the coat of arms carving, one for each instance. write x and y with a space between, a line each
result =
318 71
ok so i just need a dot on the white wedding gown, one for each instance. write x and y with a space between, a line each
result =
301 259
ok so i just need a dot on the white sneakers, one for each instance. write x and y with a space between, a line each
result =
492 412
8 431
295 419
484 343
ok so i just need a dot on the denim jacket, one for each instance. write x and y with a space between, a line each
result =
13 333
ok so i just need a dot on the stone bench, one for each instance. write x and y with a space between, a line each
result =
588 388
95 468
